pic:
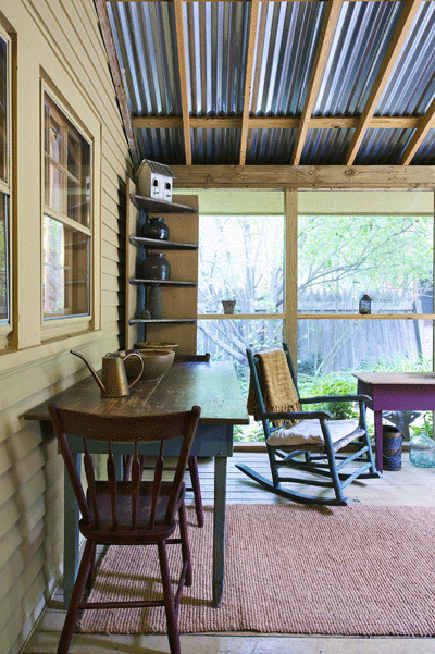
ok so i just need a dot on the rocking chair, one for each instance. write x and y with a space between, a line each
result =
313 434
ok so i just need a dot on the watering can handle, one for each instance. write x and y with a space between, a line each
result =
142 365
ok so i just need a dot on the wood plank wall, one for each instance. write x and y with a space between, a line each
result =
62 38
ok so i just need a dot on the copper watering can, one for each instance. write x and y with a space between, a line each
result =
113 381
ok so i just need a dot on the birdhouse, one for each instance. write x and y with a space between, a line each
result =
155 180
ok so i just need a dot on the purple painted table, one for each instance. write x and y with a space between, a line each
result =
395 391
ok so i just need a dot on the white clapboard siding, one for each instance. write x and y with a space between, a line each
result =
63 40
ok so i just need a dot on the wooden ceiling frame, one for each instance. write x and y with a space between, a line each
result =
304 177
182 74
249 71
329 23
274 122
427 122
398 39
115 70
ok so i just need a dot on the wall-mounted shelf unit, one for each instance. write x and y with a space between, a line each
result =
179 299
161 282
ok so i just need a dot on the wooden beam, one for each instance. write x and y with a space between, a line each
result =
291 271
273 122
401 32
121 97
330 18
253 24
426 123
182 74
304 177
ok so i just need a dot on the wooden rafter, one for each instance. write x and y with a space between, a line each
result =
274 122
182 74
253 22
426 123
121 97
332 12
305 177
401 32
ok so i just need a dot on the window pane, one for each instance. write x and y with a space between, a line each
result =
341 347
79 181
228 340
3 110
241 258
390 258
67 167
4 268
66 270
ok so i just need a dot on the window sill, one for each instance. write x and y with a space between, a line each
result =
65 327
241 316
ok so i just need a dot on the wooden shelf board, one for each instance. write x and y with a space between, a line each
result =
163 206
160 244
138 321
159 282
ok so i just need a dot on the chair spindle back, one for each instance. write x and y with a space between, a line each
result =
134 430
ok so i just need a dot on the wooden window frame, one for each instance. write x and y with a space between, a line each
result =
6 188
68 325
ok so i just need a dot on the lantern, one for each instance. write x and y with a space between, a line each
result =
365 304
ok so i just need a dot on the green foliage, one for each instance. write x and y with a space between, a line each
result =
423 427
330 384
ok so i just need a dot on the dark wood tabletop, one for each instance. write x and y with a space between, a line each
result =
213 386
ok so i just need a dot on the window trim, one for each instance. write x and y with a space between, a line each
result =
6 188
67 325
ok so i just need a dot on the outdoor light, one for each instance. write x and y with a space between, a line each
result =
365 304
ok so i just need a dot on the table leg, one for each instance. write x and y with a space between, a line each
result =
220 483
70 534
379 441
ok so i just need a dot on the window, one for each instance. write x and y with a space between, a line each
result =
241 258
5 179
67 219
389 258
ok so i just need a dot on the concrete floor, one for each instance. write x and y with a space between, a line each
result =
411 486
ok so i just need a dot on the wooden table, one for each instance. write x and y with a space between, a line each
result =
395 391
213 386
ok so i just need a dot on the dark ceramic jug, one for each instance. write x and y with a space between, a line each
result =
155 228
156 266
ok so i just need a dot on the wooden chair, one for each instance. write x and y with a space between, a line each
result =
314 436
136 512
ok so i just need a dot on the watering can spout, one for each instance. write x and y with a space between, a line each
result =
90 368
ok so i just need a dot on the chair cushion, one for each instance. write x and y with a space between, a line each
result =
309 432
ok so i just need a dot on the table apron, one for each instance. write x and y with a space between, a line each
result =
399 398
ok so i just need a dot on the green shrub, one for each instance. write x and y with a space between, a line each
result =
329 384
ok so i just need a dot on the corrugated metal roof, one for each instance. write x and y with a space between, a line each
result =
383 146
216 35
144 34
270 145
412 84
425 153
287 35
216 43
358 49
326 146
165 145
215 145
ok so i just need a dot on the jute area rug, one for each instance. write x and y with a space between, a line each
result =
363 570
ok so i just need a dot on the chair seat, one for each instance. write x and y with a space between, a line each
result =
309 432
124 512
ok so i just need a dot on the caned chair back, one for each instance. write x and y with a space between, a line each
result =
134 430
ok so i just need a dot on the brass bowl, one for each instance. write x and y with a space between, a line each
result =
157 362
156 346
